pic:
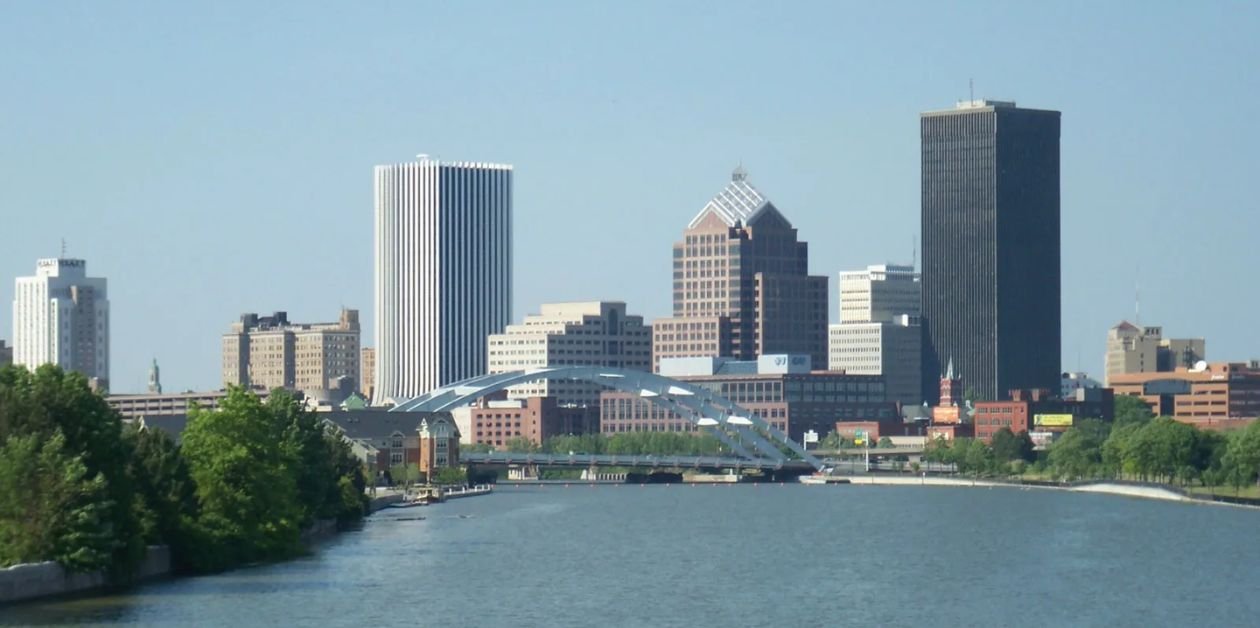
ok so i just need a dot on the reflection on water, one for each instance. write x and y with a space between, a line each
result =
773 555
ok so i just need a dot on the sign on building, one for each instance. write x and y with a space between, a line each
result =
1052 420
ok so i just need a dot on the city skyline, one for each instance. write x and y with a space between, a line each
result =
161 182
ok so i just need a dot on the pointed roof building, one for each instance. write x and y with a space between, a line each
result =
742 287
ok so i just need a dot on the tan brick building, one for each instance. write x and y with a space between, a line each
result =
271 352
742 286
1217 393
367 371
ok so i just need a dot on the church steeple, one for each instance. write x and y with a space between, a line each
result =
155 379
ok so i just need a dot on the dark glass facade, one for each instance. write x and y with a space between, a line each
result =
990 229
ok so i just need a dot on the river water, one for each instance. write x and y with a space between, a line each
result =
767 555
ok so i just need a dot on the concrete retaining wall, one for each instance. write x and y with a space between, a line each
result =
36 580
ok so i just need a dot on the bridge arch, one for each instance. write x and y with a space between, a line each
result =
734 425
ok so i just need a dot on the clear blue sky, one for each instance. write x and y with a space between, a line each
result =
217 159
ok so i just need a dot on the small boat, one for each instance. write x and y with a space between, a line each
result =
410 503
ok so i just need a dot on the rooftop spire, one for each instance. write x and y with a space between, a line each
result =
739 174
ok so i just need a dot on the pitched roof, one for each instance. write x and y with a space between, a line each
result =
1125 325
738 202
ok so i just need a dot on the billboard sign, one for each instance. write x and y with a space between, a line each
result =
1052 420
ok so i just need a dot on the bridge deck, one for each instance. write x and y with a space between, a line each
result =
610 460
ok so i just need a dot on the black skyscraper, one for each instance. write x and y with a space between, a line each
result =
990 221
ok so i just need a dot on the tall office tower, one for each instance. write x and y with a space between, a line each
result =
61 316
742 286
596 333
990 221
6 354
155 379
879 330
443 272
271 352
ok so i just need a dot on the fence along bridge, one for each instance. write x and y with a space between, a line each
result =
754 442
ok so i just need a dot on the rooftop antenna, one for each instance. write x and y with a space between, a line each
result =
63 248
971 90
914 253
1137 298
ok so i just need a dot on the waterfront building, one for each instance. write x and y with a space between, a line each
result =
1133 349
61 316
879 332
1218 395
443 272
741 286
496 421
1040 412
991 246
595 333
782 389
387 440
272 352
438 441
367 372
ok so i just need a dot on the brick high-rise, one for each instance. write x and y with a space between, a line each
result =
742 286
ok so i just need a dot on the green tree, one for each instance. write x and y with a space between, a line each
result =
885 443
520 445
51 508
246 486
1131 410
166 496
50 401
1076 454
450 476
1241 461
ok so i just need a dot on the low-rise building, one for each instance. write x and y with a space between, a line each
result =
496 421
1039 411
385 440
6 354
781 389
367 371
1205 395
1072 382
169 404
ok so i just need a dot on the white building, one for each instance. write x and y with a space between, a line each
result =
598 333
61 316
879 330
1069 383
879 294
443 271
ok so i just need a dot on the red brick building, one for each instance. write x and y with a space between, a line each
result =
495 421
1037 411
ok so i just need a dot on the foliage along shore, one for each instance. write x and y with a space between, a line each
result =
81 487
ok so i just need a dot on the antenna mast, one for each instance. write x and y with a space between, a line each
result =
971 89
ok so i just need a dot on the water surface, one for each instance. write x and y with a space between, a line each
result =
765 555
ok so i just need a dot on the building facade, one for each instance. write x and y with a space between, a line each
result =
443 272
169 404
782 389
742 286
879 330
61 316
367 371
6 354
597 333
496 421
1038 411
1133 349
271 352
991 246
1205 395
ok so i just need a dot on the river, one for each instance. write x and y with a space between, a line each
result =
746 555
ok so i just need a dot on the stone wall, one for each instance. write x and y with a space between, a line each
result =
36 580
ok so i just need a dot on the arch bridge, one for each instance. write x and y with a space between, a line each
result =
747 435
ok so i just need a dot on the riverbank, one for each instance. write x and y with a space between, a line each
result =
31 581
1123 489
